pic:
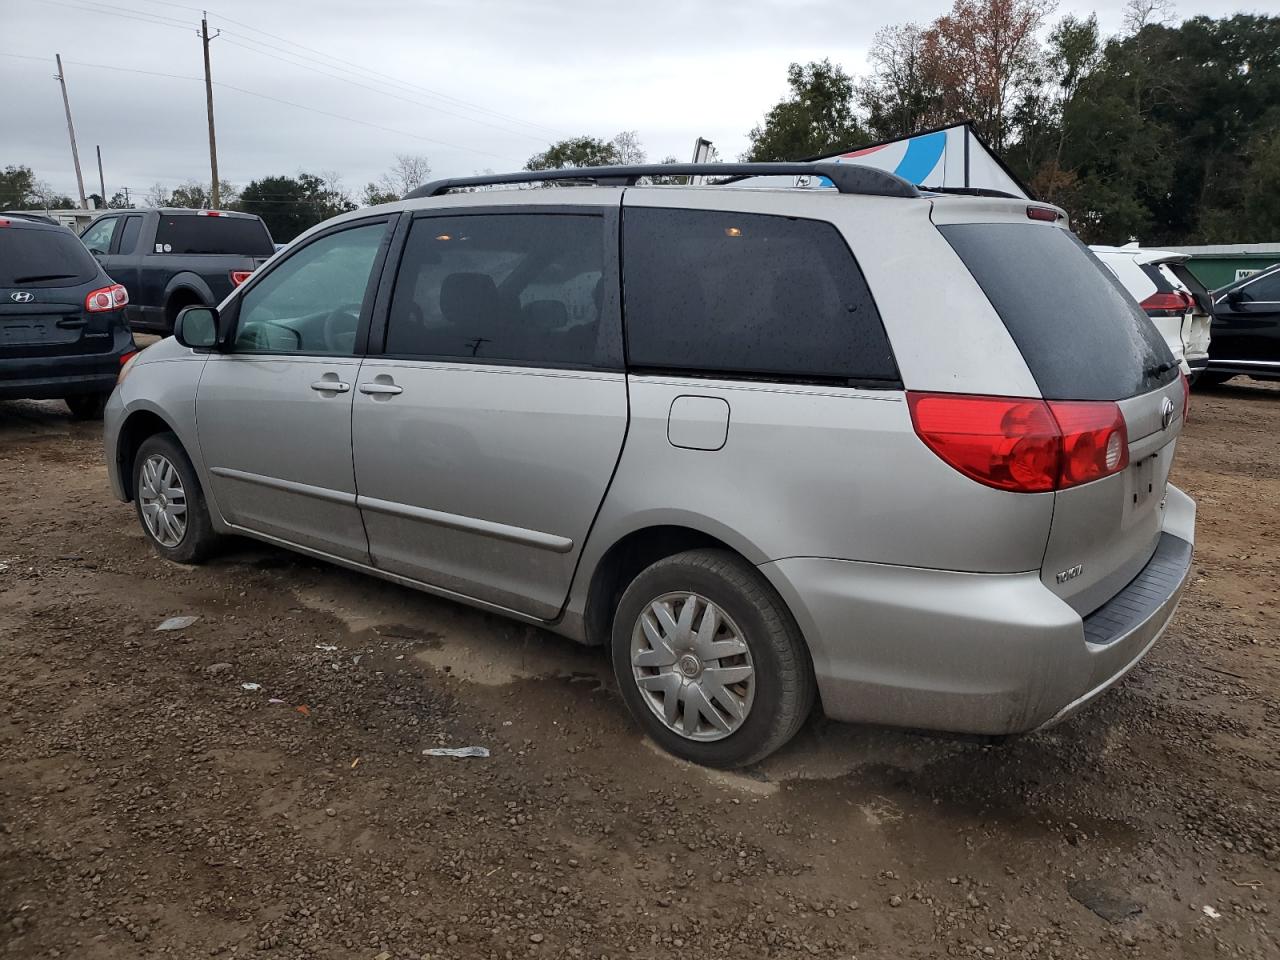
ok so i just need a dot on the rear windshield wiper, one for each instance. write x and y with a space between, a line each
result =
1160 368
45 276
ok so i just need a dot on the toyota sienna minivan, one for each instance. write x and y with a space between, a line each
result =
899 453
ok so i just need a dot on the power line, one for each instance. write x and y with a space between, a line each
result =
139 15
387 93
287 103
329 59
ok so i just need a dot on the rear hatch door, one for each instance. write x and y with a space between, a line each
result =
1083 337
1196 332
45 275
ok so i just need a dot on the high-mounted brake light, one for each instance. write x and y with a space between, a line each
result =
106 298
1172 304
4 223
1048 214
209 213
1022 444
240 276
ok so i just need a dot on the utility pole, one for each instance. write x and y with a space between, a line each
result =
71 130
208 95
102 183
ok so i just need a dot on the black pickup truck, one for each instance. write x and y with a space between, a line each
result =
169 259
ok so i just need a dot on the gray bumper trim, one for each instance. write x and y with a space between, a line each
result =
1145 594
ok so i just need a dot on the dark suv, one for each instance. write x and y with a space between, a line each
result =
62 327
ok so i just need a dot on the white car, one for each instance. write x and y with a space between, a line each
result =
1177 303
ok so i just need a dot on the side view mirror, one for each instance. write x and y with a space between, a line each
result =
1235 297
196 327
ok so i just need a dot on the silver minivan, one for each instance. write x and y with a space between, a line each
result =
894 451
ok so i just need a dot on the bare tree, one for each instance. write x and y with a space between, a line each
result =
628 148
1143 13
157 195
409 172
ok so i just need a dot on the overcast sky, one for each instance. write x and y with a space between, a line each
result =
472 85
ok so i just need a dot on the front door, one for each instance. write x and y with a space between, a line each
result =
1247 330
273 412
487 431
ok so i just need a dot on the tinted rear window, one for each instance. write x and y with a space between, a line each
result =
192 233
1082 336
751 295
44 258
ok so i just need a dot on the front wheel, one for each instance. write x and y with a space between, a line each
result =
170 503
709 660
87 406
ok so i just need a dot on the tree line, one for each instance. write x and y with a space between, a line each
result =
1168 131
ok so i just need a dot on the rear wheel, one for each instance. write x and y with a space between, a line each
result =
170 503
709 660
87 406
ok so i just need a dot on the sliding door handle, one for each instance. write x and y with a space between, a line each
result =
380 389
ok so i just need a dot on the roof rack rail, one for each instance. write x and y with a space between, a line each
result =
847 177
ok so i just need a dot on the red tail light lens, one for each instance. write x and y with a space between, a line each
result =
1022 445
1186 397
1095 440
106 298
1166 304
126 357
240 276
1047 214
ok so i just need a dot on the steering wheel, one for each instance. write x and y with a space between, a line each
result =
340 328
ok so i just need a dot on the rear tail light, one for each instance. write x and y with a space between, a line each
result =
1022 445
126 357
240 276
1186 397
1173 304
106 298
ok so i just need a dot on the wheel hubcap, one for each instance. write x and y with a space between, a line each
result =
693 666
163 500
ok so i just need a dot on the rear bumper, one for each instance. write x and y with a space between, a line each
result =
974 653
49 378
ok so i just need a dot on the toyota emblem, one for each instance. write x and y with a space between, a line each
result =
22 297
1166 413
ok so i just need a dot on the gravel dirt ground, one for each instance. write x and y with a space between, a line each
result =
153 806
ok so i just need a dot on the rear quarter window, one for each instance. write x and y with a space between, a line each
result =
192 233
748 295
1081 335
44 258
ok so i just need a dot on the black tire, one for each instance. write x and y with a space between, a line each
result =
198 540
783 671
87 406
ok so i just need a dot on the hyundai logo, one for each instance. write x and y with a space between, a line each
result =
22 297
1166 413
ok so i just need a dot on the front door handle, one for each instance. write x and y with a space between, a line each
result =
380 389
331 386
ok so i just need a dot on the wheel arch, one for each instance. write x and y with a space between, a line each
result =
632 551
185 290
134 431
